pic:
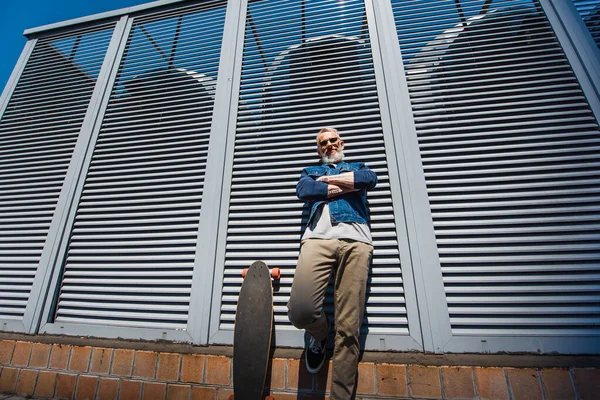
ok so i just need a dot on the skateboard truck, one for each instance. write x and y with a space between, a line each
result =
275 273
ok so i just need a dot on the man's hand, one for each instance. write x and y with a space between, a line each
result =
338 184
344 181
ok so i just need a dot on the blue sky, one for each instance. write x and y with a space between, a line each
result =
16 16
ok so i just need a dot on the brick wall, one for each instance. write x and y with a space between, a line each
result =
86 372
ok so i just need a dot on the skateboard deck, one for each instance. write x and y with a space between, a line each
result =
252 332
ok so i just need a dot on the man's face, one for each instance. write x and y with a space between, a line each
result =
330 147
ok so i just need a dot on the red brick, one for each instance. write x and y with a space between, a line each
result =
40 355
65 386
59 357
6 351
365 381
491 383
26 382
100 363
204 393
424 381
46 383
277 373
312 396
323 378
217 370
144 365
587 381
557 384
192 368
154 391
290 396
122 362
108 389
8 380
178 392
86 387
458 382
168 367
21 354
80 358
524 383
391 380
223 394
130 390
298 376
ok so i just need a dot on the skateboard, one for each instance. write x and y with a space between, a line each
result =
252 332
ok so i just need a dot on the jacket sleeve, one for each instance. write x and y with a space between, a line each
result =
364 178
308 189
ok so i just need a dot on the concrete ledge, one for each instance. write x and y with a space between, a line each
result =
484 360
54 370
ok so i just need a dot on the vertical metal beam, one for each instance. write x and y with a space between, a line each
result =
425 295
461 14
579 47
151 40
49 272
208 268
303 19
75 47
485 7
257 38
175 41
11 84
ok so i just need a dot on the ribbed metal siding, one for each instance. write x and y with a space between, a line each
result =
590 13
38 132
131 254
510 152
306 65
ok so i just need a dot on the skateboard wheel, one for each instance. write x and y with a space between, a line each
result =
268 398
244 272
276 273
230 397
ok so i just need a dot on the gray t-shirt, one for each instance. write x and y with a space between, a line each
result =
321 228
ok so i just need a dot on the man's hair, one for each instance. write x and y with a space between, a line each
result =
327 129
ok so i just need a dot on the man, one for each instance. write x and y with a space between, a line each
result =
337 237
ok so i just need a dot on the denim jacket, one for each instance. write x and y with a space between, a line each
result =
349 207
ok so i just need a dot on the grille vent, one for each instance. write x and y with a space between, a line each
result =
313 70
38 132
131 254
510 152
590 13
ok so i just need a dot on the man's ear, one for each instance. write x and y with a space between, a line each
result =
342 145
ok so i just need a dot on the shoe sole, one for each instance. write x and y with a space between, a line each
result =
313 370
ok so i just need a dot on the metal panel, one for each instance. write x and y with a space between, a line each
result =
38 132
509 149
131 252
590 14
315 70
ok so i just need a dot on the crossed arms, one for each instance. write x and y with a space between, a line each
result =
325 187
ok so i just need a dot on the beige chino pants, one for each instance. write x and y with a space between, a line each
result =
351 261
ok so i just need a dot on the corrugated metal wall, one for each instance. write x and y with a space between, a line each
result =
132 247
509 148
590 13
504 135
38 132
314 71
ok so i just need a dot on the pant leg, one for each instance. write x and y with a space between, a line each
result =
305 306
350 295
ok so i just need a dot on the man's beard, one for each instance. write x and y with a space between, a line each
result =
337 157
